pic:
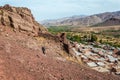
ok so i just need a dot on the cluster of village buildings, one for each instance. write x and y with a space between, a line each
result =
103 59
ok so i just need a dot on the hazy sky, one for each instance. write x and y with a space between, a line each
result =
52 9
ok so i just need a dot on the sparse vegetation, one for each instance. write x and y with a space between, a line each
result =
1 12
74 38
57 29
111 37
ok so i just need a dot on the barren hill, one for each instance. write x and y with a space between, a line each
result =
29 52
109 22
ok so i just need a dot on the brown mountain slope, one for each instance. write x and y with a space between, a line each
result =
22 57
109 22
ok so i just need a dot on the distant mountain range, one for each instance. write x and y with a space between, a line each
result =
84 21
55 21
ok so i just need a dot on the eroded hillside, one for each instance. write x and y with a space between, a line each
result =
29 52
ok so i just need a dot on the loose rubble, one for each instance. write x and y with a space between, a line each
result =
100 59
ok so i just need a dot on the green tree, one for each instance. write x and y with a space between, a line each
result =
100 41
93 38
77 38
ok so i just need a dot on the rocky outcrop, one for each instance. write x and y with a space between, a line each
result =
66 44
20 19
61 39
